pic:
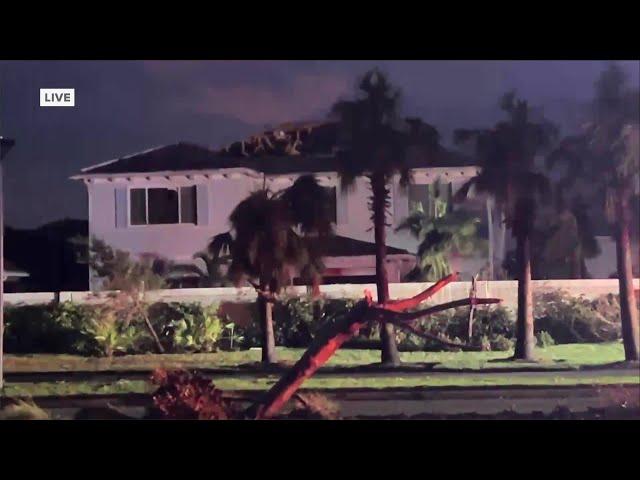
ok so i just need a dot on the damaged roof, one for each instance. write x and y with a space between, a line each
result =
307 147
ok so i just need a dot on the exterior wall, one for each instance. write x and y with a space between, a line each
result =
177 241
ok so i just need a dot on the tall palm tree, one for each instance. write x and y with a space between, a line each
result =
565 240
274 236
506 155
440 232
607 155
373 141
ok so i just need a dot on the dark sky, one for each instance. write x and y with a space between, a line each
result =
127 106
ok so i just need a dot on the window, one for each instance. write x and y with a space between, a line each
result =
161 206
333 212
434 199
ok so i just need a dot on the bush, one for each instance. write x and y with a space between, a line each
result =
489 325
295 321
187 328
500 343
543 339
49 329
570 319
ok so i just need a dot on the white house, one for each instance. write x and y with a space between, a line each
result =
171 200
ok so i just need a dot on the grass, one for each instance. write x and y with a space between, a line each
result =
320 383
558 356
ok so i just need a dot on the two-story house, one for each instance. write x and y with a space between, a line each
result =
171 200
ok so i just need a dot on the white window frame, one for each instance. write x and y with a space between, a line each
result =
146 199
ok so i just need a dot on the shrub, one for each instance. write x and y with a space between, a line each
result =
500 343
189 327
48 329
543 339
572 319
295 321
489 325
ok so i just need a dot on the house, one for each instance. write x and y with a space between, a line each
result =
171 200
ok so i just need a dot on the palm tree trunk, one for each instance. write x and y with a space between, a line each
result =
525 339
489 203
628 310
265 306
389 354
502 246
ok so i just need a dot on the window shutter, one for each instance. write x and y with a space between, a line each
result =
400 203
341 205
202 204
121 207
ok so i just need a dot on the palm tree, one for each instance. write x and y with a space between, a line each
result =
506 155
373 141
606 154
440 232
276 235
565 240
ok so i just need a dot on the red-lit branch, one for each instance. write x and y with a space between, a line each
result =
408 303
332 336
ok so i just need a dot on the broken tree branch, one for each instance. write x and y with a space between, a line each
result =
407 303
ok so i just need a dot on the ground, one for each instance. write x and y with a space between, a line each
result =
562 365
557 357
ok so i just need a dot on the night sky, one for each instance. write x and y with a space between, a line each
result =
127 106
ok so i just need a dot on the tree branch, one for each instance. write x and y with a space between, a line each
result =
407 303
388 315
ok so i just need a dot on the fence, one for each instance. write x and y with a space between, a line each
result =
507 290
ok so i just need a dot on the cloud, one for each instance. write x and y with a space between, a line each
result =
307 96
254 92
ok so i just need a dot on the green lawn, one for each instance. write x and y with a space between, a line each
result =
559 356
319 383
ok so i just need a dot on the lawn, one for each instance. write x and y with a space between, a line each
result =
320 383
559 356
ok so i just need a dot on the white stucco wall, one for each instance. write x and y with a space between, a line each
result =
178 241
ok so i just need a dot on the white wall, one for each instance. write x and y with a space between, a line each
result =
506 290
177 242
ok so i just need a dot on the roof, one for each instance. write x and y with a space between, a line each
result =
291 148
339 246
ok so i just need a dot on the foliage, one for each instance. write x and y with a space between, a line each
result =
277 234
298 321
572 319
120 272
501 343
440 235
506 155
184 396
189 327
48 329
563 239
111 337
491 326
605 154
544 340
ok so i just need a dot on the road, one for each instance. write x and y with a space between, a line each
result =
401 401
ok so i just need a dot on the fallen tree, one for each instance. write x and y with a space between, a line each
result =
333 335
190 396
